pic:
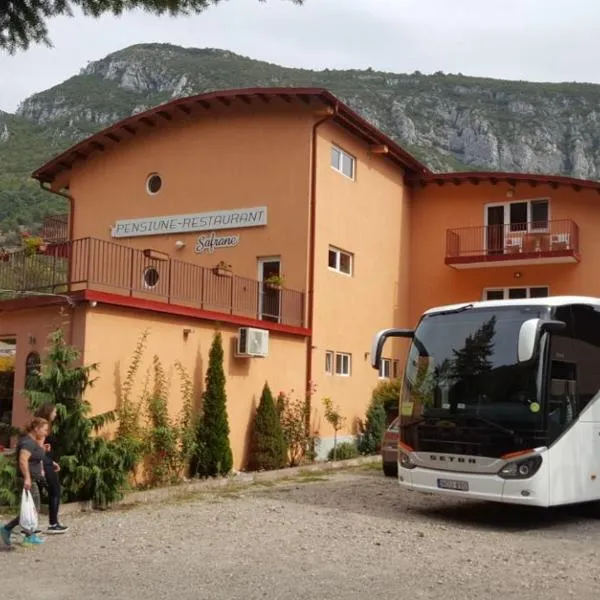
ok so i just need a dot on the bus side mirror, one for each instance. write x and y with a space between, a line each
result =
530 333
379 341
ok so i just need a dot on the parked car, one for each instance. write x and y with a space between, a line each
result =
389 449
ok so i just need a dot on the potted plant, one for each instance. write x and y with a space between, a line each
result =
274 282
222 269
4 255
32 244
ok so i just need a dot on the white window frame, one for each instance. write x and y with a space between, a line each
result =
385 362
329 362
338 253
345 372
340 162
505 290
393 368
507 205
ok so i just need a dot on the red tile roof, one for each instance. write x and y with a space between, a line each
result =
498 176
126 128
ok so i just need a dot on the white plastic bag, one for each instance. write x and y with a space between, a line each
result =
28 517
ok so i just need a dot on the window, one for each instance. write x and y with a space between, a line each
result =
329 362
340 261
338 363
151 277
343 364
153 184
529 215
515 293
538 214
385 368
389 368
342 161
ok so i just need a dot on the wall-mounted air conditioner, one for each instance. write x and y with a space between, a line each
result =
252 342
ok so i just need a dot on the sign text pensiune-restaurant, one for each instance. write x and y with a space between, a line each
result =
208 221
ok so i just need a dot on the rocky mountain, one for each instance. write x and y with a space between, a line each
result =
450 122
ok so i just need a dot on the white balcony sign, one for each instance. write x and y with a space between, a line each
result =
209 243
208 221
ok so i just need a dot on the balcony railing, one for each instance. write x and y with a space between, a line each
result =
523 243
108 267
55 228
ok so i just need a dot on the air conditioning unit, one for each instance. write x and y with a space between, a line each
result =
252 342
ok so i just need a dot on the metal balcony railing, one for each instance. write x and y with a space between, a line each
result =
55 228
513 242
100 265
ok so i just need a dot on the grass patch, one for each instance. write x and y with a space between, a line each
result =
374 466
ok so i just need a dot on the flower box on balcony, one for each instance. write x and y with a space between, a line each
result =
275 282
222 269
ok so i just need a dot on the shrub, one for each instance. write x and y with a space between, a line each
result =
161 439
344 451
187 422
92 468
130 433
372 430
8 481
387 394
267 446
335 419
295 423
213 454
166 445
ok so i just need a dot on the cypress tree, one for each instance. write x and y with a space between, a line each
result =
267 446
214 456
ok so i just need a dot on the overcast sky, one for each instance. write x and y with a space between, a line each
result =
539 40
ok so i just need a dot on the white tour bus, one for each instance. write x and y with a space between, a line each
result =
500 401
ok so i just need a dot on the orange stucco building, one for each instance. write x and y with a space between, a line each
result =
282 211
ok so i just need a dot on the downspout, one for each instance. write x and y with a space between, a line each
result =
332 111
70 234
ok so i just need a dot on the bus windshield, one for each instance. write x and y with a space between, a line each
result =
464 390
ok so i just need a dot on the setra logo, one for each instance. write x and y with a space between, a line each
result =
453 459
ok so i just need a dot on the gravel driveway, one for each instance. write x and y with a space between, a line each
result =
351 534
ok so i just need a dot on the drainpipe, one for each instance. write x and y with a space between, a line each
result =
331 112
70 234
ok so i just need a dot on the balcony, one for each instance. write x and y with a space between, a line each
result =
513 245
92 264
55 228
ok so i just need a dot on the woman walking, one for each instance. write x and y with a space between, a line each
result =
52 483
30 458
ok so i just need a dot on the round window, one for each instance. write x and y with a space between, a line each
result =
151 277
153 184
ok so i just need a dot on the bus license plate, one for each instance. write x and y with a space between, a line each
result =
453 484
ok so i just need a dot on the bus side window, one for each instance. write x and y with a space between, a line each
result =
586 352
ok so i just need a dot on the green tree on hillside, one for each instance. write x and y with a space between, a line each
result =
24 21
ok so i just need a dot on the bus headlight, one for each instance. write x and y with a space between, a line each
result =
521 469
405 461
